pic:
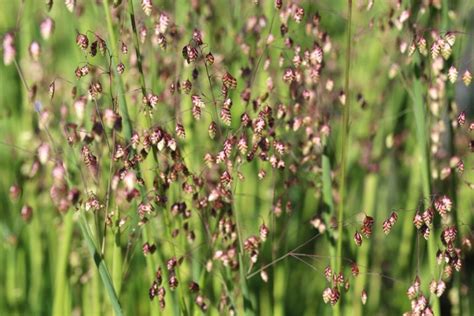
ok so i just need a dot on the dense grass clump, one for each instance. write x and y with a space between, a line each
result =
236 157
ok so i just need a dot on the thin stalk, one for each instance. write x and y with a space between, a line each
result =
127 125
422 141
100 263
344 146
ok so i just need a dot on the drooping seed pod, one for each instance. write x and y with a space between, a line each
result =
331 295
95 89
180 131
187 86
448 235
70 5
196 111
34 50
26 213
421 45
452 74
47 28
466 78
9 50
389 222
289 76
148 249
120 68
414 288
450 38
435 49
242 145
147 7
124 48
278 4
212 130
82 41
229 81
358 239
425 231
93 49
298 14
190 53
443 205
418 220
461 118
226 116
328 273
153 291
428 216
367 224
363 297
197 37
446 50
245 119
209 59
161 40
197 101
354 269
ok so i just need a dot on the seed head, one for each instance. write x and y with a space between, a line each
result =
82 41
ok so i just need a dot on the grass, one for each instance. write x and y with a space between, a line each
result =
304 164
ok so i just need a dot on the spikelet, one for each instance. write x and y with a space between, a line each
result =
467 78
70 5
147 7
452 74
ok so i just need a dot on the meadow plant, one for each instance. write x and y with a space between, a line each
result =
236 158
